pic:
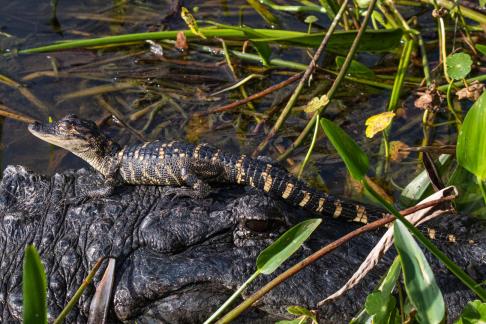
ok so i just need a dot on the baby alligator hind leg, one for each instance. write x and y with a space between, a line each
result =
196 188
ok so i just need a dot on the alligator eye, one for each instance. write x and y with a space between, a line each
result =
258 225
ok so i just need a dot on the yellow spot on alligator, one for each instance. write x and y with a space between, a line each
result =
240 173
471 241
305 200
451 238
196 151
361 216
120 154
267 178
162 152
431 233
268 183
338 210
320 207
215 156
252 183
288 190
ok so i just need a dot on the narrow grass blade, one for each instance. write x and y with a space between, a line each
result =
34 286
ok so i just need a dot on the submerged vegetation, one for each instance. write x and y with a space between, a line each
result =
403 79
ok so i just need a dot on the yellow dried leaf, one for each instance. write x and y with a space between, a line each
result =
316 104
397 152
191 22
377 123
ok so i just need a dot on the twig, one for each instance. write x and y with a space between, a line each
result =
252 97
79 292
285 112
335 85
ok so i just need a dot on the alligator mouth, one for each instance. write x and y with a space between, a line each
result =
39 129
47 133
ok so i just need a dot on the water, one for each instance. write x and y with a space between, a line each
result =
161 94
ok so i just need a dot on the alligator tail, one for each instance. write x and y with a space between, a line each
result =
278 183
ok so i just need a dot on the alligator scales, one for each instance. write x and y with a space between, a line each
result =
192 167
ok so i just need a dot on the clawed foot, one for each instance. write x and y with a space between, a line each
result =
184 192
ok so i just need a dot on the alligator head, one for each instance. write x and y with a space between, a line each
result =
81 137
177 260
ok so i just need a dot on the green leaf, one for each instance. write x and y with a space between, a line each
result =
355 159
340 42
356 68
391 277
481 48
270 18
262 48
381 306
458 65
280 250
34 286
310 19
473 313
471 142
379 40
420 284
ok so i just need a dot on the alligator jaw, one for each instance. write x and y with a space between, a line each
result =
45 132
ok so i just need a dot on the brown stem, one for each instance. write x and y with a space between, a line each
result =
255 96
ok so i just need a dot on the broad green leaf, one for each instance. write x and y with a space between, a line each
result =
378 123
481 48
471 142
381 306
420 283
356 68
458 65
473 313
280 250
34 286
353 156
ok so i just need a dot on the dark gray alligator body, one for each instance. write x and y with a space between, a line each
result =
178 259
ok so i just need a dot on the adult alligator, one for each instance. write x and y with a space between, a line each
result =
179 258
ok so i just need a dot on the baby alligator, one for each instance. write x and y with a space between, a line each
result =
189 166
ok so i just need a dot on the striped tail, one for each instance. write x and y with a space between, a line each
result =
278 183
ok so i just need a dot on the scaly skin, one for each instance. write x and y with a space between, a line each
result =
192 167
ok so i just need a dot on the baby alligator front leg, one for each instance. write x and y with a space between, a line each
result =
104 190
